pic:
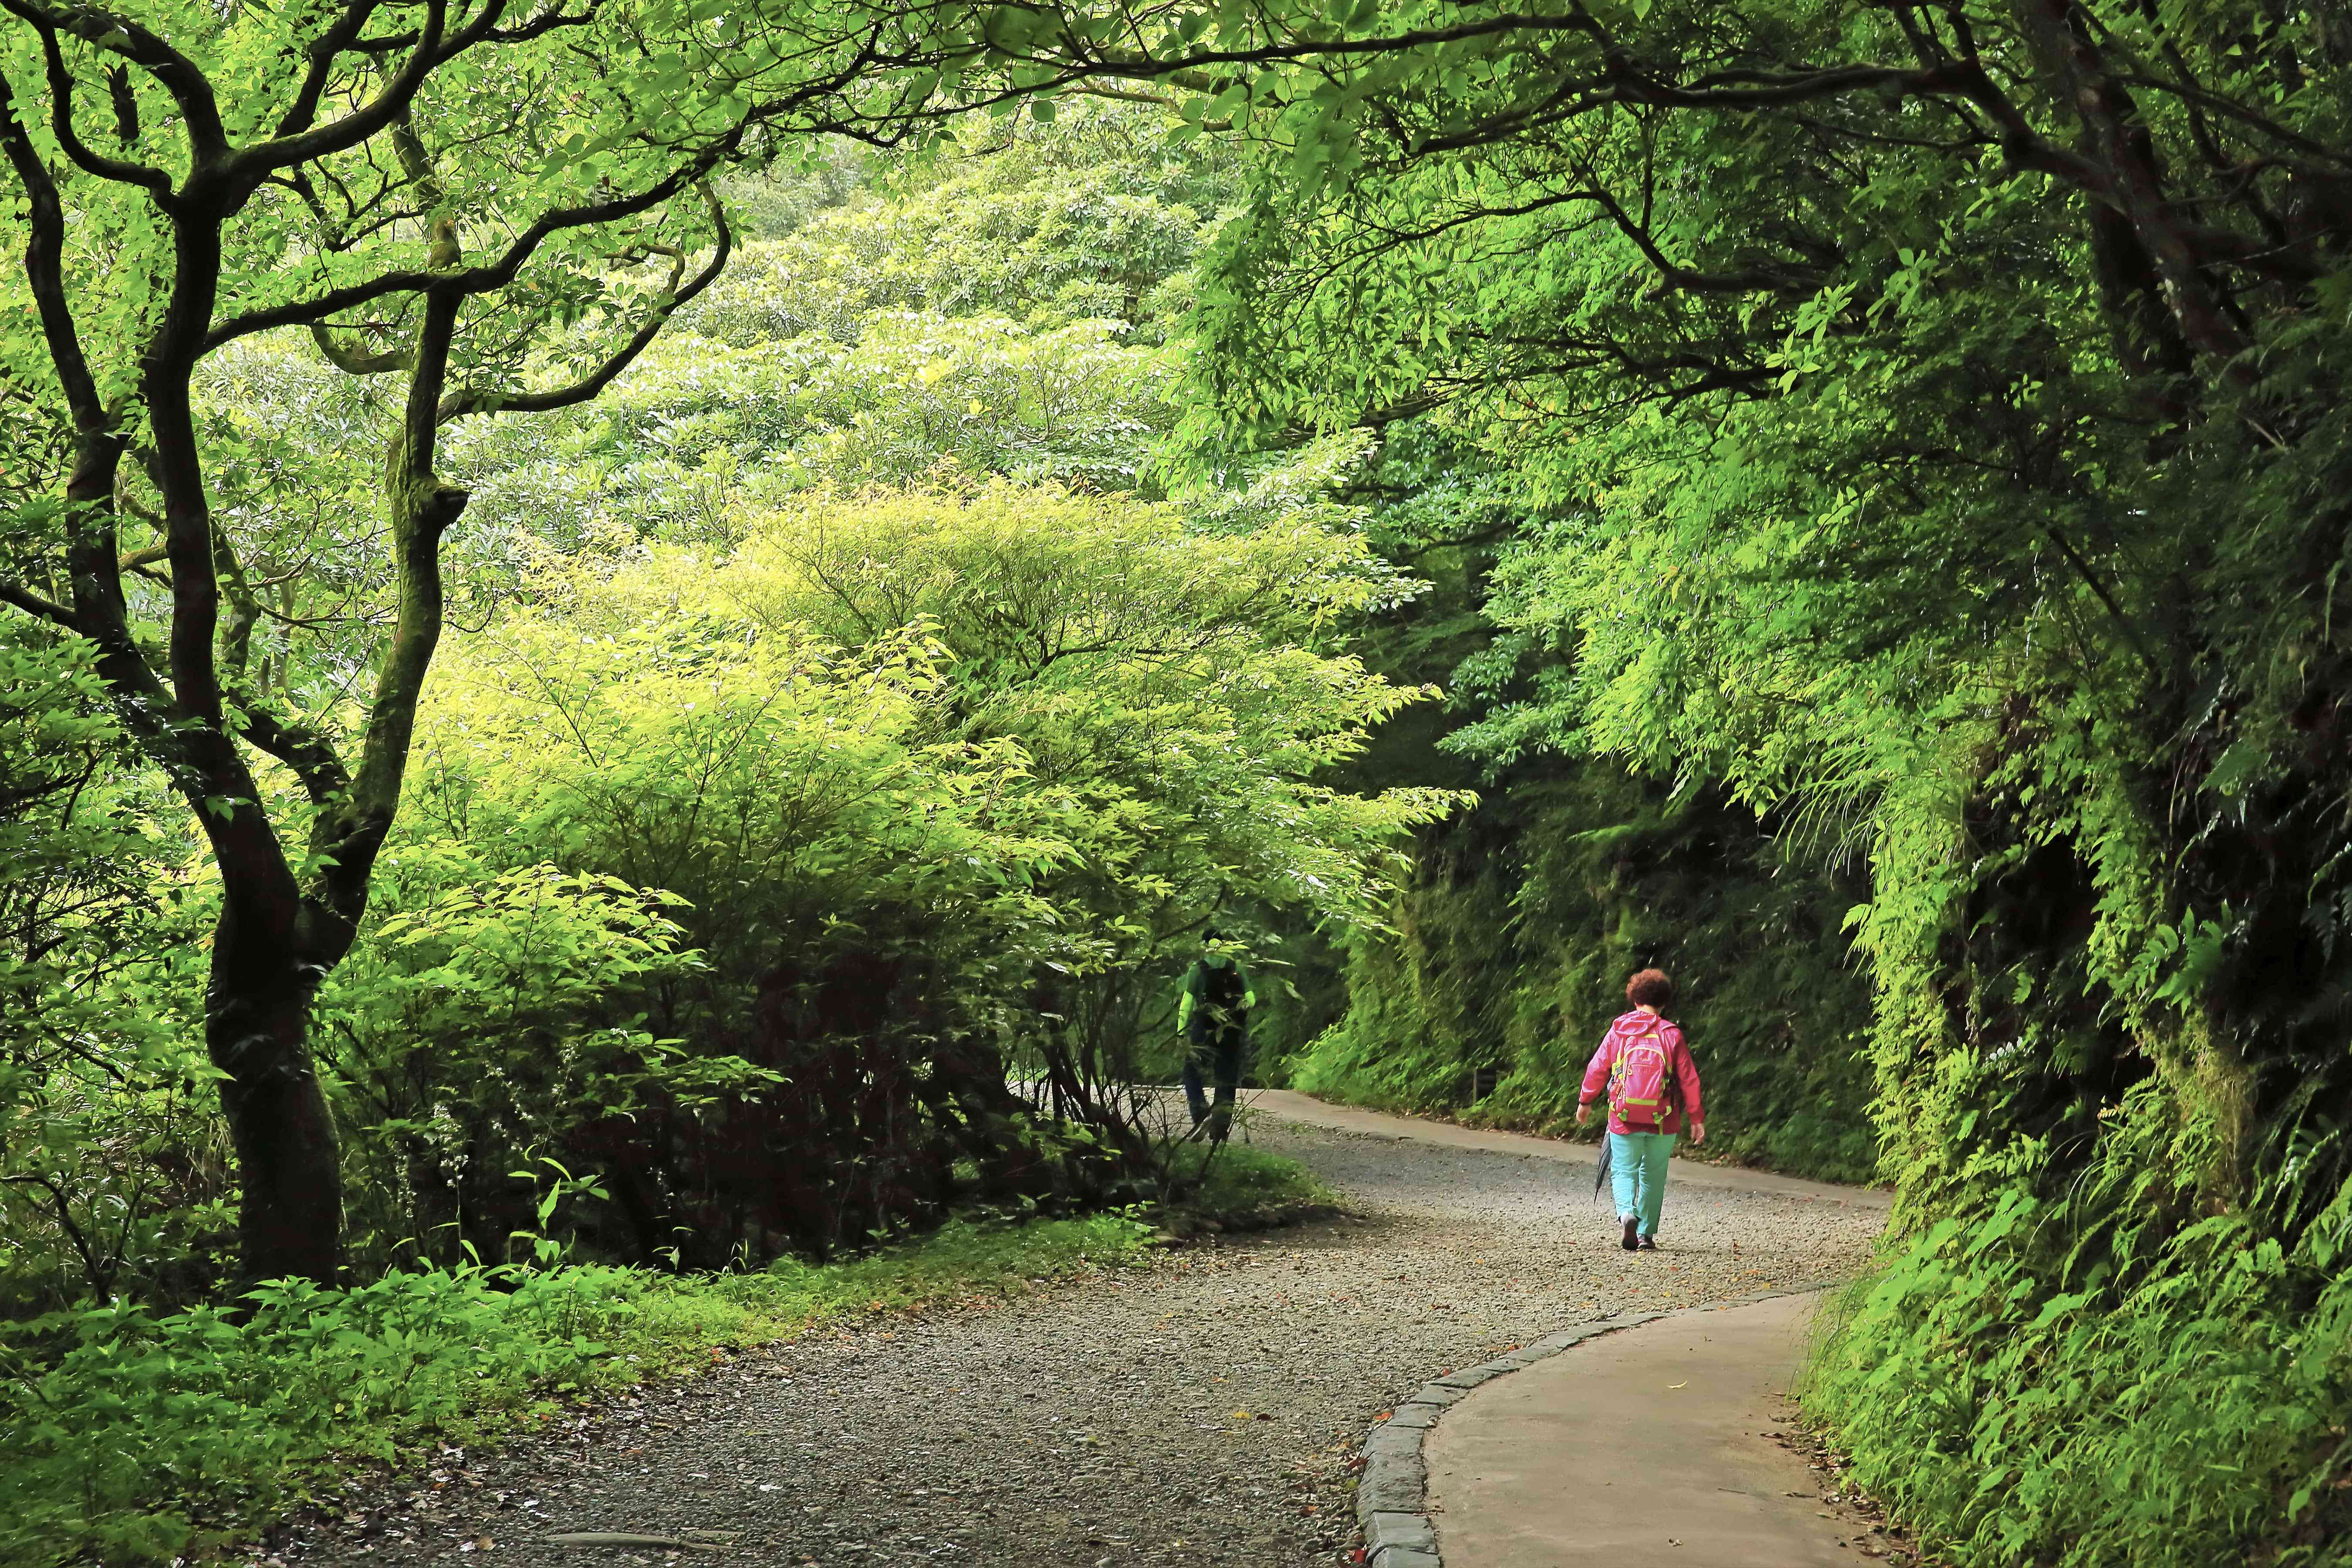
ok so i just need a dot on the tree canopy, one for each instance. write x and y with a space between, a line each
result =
1928 424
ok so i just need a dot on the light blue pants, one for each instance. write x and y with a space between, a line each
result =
1637 1173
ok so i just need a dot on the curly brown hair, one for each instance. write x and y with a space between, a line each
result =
1650 988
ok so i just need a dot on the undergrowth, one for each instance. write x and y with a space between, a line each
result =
1240 1179
2107 1379
132 1438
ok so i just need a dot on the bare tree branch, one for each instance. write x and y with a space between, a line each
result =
45 267
61 112
380 111
322 54
32 603
589 385
476 279
129 39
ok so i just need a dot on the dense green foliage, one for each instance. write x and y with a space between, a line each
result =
753 775
1510 948
1504 957
495 214
938 782
1930 432
843 742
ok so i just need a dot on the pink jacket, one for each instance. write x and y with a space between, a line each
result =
1632 1027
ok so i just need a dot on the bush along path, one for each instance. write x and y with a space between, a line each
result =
1208 1410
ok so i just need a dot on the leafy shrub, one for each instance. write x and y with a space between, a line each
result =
935 785
1237 1177
863 899
111 1175
2113 1386
493 1015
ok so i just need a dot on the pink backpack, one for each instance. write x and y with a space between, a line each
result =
1642 1079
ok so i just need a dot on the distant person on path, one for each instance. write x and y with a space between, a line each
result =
1214 1017
1651 1083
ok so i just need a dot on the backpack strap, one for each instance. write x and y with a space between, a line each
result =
1673 1088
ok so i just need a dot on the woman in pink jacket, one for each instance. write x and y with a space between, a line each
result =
1653 1084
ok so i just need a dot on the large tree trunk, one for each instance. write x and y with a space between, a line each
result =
257 1030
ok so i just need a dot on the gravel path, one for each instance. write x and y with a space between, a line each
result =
1201 1411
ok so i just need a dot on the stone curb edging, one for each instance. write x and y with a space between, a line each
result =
1393 1496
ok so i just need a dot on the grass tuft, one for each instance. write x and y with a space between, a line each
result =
1241 1180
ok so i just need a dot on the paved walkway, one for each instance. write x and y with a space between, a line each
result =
1639 1449
1202 1412
1303 1107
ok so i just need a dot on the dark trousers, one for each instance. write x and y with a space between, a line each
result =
1220 1052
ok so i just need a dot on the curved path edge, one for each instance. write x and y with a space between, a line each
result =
1392 1494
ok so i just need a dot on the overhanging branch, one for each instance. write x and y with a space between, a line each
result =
475 280
589 385
33 605
61 111
122 36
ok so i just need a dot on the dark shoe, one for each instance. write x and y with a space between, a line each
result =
1649 1244
1631 1226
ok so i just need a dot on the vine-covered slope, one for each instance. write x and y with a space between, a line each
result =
1510 949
